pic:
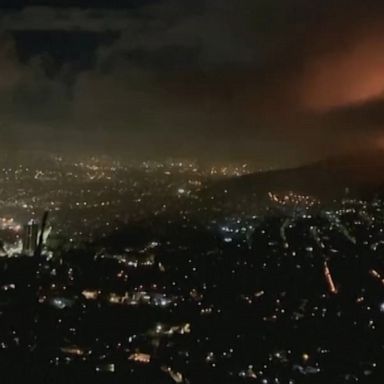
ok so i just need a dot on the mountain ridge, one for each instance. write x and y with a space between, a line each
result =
361 173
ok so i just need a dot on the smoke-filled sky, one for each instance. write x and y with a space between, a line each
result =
277 81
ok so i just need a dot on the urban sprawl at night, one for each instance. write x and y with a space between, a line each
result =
192 191
191 284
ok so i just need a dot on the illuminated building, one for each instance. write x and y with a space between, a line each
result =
30 238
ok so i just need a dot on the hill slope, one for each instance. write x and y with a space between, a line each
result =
362 173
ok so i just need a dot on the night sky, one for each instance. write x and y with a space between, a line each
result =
277 81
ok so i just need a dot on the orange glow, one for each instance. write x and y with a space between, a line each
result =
352 75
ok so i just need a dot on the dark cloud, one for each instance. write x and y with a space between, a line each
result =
276 80
65 19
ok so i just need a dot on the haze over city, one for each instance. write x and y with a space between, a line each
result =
191 192
280 82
